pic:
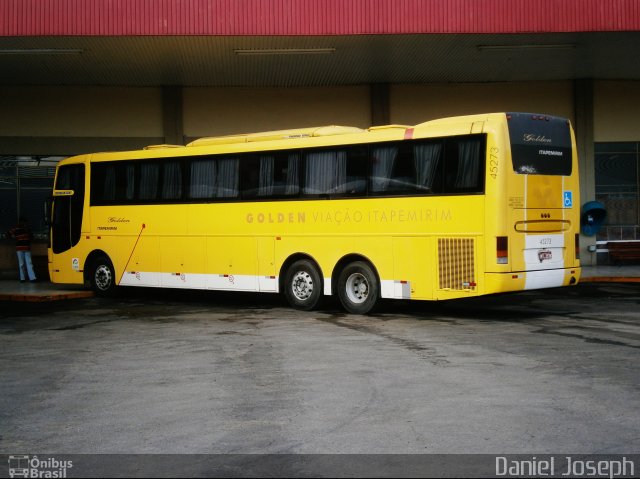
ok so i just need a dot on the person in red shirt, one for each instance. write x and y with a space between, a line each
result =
22 234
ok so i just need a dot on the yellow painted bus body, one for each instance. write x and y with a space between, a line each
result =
422 247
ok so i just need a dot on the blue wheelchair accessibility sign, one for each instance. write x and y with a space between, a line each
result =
568 199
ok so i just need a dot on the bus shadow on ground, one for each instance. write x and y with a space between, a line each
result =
587 297
502 307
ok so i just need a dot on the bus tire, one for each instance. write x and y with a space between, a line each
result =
303 285
358 288
102 276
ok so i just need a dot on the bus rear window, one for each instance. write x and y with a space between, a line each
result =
540 144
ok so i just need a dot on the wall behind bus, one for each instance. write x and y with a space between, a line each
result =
616 114
412 104
67 120
226 111
43 121
616 166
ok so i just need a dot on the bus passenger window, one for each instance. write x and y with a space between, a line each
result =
203 179
383 159
270 175
428 166
325 172
336 172
109 186
279 175
227 178
214 178
148 181
357 160
291 175
266 172
125 188
406 168
171 180
103 183
464 171
112 183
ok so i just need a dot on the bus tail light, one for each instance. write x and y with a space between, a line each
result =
502 249
577 245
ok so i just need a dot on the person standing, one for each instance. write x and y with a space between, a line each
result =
22 234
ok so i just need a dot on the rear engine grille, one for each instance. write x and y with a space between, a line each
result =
456 264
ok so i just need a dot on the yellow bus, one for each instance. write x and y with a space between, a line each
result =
450 208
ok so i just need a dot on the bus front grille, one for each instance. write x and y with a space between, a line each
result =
456 263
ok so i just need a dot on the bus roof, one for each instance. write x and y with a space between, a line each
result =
277 135
320 136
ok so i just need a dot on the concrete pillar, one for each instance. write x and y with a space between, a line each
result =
380 104
172 115
584 123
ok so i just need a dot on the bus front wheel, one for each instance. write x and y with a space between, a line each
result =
358 288
302 285
102 277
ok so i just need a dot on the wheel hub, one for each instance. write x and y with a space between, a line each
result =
103 277
357 288
302 285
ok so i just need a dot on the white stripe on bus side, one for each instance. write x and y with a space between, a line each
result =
389 289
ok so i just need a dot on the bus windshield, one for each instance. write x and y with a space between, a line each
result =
540 144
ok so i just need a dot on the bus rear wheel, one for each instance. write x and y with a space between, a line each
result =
102 276
358 288
302 285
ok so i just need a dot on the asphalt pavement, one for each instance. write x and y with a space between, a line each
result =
189 372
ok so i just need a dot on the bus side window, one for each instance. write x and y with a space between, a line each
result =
213 177
357 163
249 171
227 178
383 160
427 160
335 172
325 172
148 180
270 175
279 175
109 184
406 168
112 183
172 180
125 187
203 178
103 183
291 175
464 168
